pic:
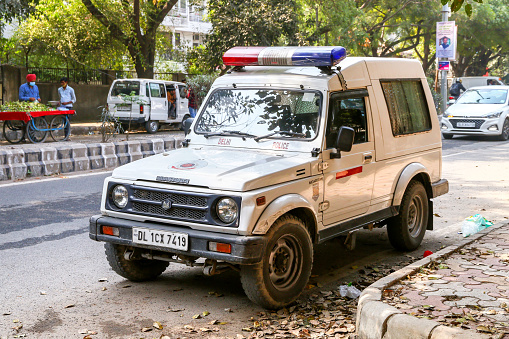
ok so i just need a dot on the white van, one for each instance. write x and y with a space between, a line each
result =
150 106
478 81
295 146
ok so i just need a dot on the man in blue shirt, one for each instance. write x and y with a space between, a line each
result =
66 94
29 90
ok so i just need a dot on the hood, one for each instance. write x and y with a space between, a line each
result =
473 110
219 168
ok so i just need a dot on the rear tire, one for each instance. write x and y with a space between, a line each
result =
152 126
505 131
283 273
134 270
448 136
406 230
14 131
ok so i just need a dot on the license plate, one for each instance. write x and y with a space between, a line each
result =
124 108
146 236
466 124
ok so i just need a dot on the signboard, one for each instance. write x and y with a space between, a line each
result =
446 40
444 65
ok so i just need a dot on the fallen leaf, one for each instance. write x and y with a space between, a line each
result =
103 279
6 313
126 286
205 313
92 332
229 310
42 292
197 316
175 309
157 325
83 331
204 329
103 289
146 329
69 306
247 329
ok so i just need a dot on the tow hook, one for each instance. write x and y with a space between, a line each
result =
350 240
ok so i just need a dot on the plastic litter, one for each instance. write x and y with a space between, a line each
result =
349 291
426 253
474 224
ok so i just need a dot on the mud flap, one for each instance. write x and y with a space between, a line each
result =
430 216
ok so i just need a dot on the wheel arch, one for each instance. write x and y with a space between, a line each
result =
293 204
413 171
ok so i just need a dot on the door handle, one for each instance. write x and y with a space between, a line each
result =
367 158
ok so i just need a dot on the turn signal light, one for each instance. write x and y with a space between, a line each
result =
111 231
141 109
220 247
260 201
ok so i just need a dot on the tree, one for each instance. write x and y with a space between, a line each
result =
62 33
15 9
249 23
134 23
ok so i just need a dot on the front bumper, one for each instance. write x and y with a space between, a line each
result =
483 126
245 249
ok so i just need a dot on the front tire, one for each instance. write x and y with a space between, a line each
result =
505 131
134 270
406 230
283 273
152 126
181 124
448 136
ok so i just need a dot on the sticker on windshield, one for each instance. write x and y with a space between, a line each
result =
280 145
189 165
308 96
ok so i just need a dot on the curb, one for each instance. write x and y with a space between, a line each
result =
19 163
377 320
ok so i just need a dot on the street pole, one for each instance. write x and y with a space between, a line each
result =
446 11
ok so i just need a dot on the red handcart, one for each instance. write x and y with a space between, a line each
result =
34 125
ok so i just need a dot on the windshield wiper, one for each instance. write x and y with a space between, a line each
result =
239 133
286 133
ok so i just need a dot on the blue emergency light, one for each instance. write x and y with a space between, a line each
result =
320 56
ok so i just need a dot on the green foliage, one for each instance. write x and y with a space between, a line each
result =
248 23
201 84
15 9
457 4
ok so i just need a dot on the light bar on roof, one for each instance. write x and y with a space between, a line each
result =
284 56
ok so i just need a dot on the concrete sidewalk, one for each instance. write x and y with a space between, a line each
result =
84 151
461 291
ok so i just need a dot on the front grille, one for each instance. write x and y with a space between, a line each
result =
183 206
478 123
175 212
181 199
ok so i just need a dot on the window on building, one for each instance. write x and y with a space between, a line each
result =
408 109
177 39
196 36
183 3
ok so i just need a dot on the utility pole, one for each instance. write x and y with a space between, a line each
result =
446 11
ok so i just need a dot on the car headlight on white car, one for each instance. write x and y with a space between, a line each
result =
493 115
227 210
120 196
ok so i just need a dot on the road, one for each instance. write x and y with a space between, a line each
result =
56 282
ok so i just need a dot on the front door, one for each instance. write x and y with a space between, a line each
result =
348 180
158 101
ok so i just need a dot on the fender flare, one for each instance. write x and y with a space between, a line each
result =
404 179
277 208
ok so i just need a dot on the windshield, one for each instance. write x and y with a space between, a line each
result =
125 87
483 96
260 112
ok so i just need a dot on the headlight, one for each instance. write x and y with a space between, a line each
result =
120 196
493 115
227 210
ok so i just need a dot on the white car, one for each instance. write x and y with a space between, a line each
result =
479 111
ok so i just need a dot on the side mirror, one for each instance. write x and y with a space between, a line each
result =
344 142
187 125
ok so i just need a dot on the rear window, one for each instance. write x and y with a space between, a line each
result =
126 87
407 105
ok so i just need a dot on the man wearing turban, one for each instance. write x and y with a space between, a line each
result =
29 90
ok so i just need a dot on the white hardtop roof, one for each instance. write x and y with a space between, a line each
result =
357 71
146 79
506 87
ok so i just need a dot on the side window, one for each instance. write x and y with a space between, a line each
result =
157 90
347 109
408 109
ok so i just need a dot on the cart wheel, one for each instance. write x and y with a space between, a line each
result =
60 128
14 131
37 129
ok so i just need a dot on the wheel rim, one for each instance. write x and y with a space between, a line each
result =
415 216
285 262
153 126
59 128
37 130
